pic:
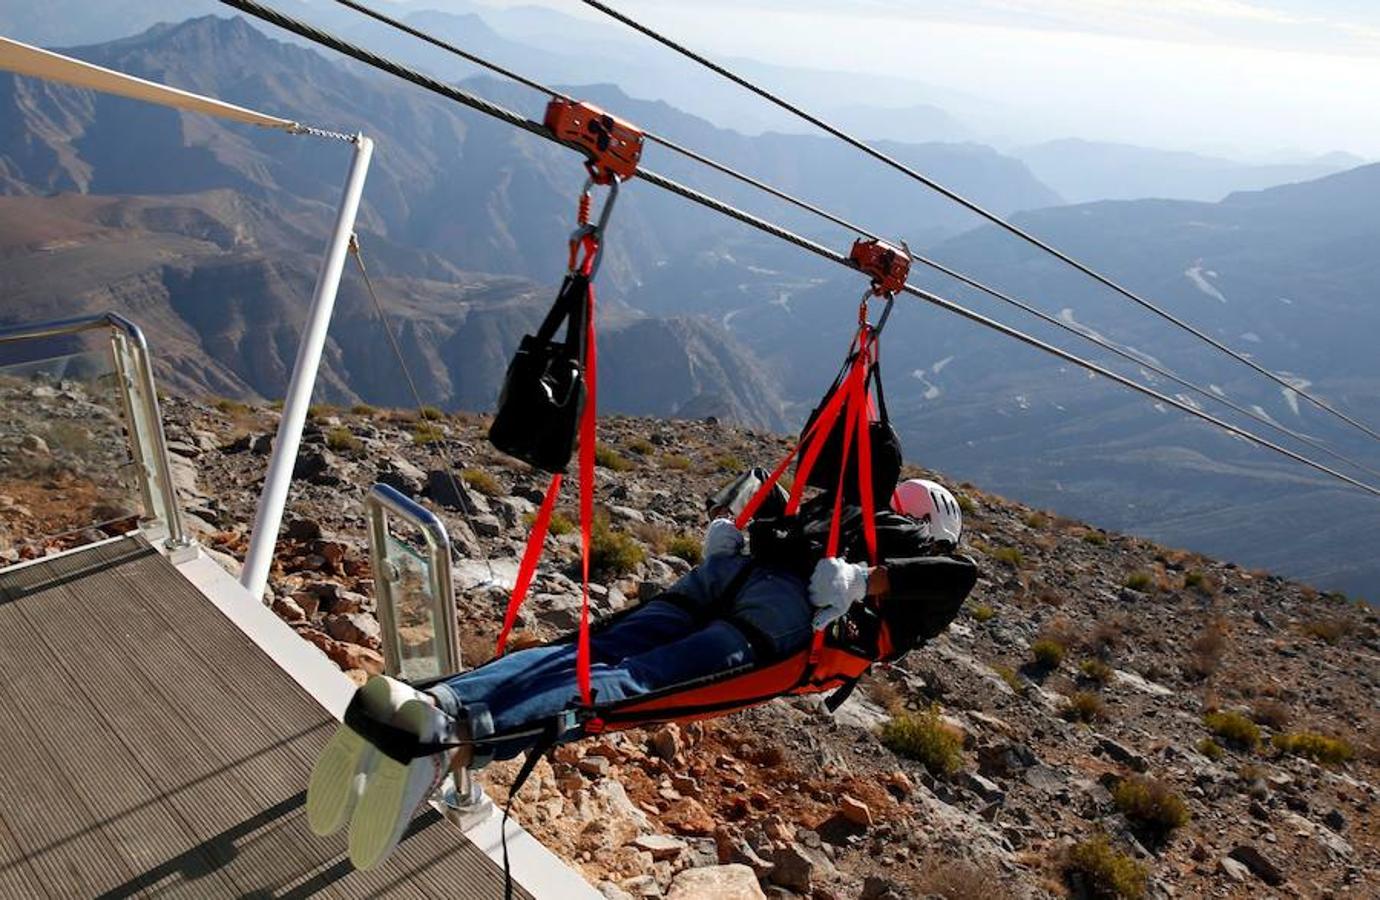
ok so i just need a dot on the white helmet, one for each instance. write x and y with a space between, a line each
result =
931 504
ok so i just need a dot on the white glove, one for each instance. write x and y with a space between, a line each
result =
722 538
834 588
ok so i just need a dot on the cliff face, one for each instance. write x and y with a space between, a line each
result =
1102 707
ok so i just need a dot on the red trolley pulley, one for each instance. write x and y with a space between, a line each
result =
886 263
613 146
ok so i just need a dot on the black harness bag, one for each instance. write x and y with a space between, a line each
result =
544 389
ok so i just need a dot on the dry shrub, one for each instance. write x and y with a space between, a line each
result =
886 695
1271 714
1205 653
1150 805
925 738
1085 706
483 482
1140 580
613 553
983 613
686 547
1103 872
1211 749
1233 728
1317 747
1048 653
1008 675
1096 671
342 440
1329 628
1108 634
956 879
610 459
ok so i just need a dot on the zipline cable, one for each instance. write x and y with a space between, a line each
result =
498 69
654 138
980 210
512 118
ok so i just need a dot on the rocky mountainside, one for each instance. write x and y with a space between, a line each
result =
220 282
1106 717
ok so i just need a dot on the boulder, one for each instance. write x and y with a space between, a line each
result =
355 628
855 811
660 846
1264 868
731 882
792 868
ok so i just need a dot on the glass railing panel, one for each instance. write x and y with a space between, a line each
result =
68 475
414 611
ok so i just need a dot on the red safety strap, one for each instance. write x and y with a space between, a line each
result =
587 439
535 541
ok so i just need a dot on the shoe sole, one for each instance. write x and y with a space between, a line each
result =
391 800
333 790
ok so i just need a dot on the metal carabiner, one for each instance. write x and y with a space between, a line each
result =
585 229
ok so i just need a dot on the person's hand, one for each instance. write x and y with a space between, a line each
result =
834 587
722 538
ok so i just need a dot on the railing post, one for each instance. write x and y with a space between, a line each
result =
269 517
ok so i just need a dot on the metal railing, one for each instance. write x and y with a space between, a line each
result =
420 589
398 586
139 399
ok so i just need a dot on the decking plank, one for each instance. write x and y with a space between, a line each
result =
191 777
97 768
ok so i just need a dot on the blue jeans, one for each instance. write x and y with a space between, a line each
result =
658 645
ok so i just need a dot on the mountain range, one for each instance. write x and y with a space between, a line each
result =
208 234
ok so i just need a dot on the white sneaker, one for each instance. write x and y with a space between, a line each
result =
339 774
395 792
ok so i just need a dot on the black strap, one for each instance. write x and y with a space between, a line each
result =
569 307
840 696
548 740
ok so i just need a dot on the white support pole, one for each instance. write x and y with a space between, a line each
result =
270 515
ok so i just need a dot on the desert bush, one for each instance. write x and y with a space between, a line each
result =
1317 747
676 461
686 547
729 463
1205 653
1036 520
483 482
1271 714
924 737
1103 871
1085 706
1096 670
610 459
1108 634
1211 749
231 407
1329 628
560 522
1008 674
1009 555
430 414
362 409
427 433
1150 805
1048 653
613 553
1140 581
956 879
342 440
1233 728
1198 580
965 505
1096 538
983 613
641 446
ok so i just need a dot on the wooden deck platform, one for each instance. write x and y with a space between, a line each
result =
149 748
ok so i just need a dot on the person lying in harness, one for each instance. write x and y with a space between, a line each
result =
735 612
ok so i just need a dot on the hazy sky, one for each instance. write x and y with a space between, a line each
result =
1249 76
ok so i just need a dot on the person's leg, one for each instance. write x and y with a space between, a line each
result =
773 607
